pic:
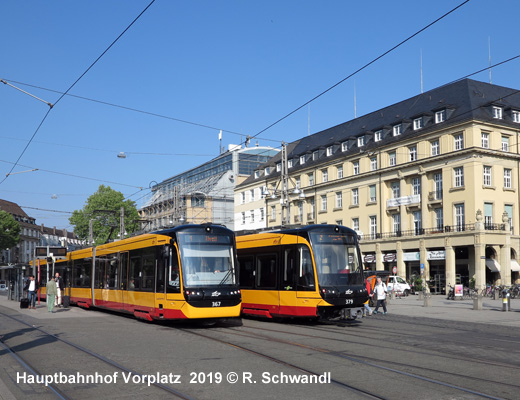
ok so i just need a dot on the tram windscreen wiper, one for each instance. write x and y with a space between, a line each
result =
225 277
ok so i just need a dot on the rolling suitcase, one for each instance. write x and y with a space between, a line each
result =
24 303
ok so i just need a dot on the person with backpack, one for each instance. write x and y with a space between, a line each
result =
380 293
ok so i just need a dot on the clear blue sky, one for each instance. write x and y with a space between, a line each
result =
232 65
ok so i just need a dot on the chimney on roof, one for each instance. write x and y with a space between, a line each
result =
54 230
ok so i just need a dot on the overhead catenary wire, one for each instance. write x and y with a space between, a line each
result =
70 88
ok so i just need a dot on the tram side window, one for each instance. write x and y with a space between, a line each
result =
289 268
112 273
82 274
247 271
148 271
266 271
306 271
173 272
99 280
134 275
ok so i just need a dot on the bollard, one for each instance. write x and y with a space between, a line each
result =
504 304
477 303
427 300
421 295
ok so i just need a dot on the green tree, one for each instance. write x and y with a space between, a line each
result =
9 231
104 209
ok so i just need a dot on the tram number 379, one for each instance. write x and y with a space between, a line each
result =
215 304
349 301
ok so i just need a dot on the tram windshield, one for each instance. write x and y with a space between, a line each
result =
336 258
207 260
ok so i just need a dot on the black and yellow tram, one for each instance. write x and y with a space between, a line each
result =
187 272
313 271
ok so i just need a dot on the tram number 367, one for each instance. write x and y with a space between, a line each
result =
215 304
349 301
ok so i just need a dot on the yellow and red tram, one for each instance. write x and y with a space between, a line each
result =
313 271
187 272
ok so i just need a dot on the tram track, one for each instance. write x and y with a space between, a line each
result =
369 362
49 337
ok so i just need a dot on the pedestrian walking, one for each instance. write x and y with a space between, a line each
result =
51 294
380 293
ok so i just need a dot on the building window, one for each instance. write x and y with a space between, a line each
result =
497 112
484 140
378 136
339 200
298 182
373 164
355 197
487 175
435 148
344 146
439 218
459 176
416 186
361 141
372 193
340 171
324 175
243 198
302 160
505 143
507 178
273 213
252 194
355 164
440 116
392 158
459 217
289 163
278 167
373 227
437 178
397 129
329 151
323 202
396 190
413 153
417 123
396 223
243 218
355 224
252 213
257 174
315 156
417 222
488 214
267 170
262 214
459 141
311 179
516 116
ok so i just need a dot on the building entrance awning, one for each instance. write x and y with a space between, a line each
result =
515 266
492 265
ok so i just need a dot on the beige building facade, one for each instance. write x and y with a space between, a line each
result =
430 184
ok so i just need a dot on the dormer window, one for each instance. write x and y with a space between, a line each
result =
344 146
378 136
440 116
302 160
267 170
361 141
289 163
315 155
516 116
417 123
329 151
398 129
278 167
257 174
497 112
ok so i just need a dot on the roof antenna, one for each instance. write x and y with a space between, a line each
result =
489 46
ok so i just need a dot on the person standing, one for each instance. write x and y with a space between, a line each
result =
380 293
59 288
32 288
51 294
367 309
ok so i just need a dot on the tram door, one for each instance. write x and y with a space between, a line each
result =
123 259
288 287
172 274
306 281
